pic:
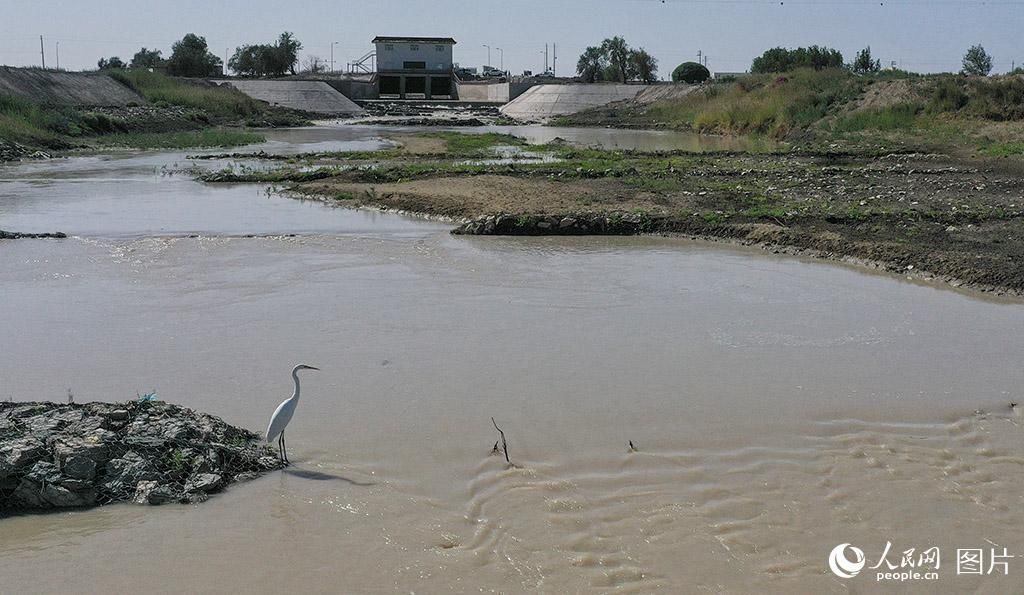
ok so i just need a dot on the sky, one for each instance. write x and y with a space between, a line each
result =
918 35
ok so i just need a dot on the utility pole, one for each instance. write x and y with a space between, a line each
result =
333 43
42 52
58 55
554 59
502 54
545 59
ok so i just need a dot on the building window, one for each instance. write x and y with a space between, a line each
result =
388 47
414 65
439 48
414 47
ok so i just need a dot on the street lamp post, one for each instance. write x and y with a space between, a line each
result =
502 54
488 55
333 43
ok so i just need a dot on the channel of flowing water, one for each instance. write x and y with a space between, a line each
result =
780 406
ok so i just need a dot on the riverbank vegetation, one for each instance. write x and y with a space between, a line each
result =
817 108
178 113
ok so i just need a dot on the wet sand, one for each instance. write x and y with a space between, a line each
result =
780 406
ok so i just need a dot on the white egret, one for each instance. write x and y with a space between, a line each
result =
283 414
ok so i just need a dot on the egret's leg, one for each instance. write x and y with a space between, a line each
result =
280 449
285 446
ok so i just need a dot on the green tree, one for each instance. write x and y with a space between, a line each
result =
266 59
288 51
977 61
645 66
190 57
111 63
690 72
618 53
145 58
249 60
592 64
783 59
863 63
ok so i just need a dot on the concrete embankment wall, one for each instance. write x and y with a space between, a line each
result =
484 92
546 101
491 92
82 89
664 92
309 96
356 90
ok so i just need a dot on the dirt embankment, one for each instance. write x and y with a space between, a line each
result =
925 215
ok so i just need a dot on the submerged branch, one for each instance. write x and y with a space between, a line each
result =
504 443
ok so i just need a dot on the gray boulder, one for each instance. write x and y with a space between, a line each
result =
152 492
44 487
203 482
78 467
20 454
123 475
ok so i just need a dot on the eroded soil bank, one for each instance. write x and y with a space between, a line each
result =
922 214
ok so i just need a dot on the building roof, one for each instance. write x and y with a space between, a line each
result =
386 39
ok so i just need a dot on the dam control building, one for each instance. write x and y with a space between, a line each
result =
415 66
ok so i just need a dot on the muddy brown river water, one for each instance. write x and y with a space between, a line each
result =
780 406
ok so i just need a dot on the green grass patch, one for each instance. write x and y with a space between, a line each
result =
166 91
897 117
182 140
461 144
764 104
1008 149
27 122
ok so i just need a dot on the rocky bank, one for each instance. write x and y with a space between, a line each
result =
66 455
15 235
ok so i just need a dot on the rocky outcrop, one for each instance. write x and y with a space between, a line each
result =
14 235
149 452
10 151
616 223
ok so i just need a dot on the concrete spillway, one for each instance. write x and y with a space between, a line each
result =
66 88
308 96
545 101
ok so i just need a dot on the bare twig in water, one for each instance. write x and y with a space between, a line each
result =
504 444
631 447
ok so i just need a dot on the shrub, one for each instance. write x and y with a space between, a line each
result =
998 99
947 96
690 72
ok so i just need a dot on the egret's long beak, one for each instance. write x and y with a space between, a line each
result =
313 368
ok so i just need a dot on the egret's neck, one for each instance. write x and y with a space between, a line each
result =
295 377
